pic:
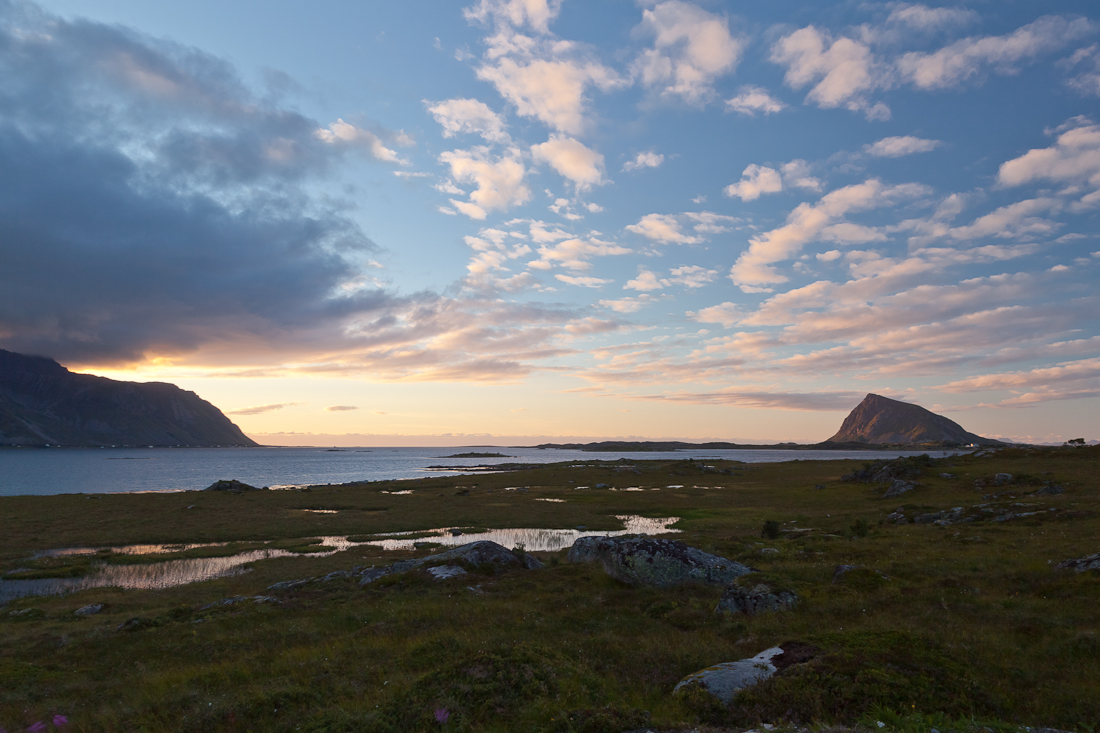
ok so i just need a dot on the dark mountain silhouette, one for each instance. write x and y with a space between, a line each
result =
43 403
882 420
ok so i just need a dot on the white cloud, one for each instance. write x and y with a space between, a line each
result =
572 160
535 13
896 147
457 116
629 305
807 223
796 174
707 222
662 228
1087 81
954 64
728 314
755 180
499 179
644 160
645 282
752 99
346 134
1015 220
574 253
843 71
691 49
692 276
550 89
1073 159
587 282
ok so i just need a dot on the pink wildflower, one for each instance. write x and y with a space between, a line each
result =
441 715
38 727
60 720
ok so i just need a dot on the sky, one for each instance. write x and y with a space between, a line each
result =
515 221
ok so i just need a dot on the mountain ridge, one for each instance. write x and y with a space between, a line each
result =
43 403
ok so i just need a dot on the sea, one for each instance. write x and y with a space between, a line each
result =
45 471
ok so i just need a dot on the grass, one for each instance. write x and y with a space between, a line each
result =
972 626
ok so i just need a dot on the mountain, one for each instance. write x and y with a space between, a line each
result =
43 403
882 420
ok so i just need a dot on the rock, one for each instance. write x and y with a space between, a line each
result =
661 563
725 680
1080 565
602 486
1001 479
581 527
290 584
483 552
231 485
136 624
90 610
456 532
897 517
769 551
899 487
947 475
584 550
1051 490
750 596
442 572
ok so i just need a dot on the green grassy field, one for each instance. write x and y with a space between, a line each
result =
973 624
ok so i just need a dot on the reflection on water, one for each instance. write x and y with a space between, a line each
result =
534 540
170 573
150 576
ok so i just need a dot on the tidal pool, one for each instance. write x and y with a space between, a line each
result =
170 573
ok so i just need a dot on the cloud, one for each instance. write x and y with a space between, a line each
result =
466 116
744 397
645 282
843 71
1067 380
644 160
1073 159
896 147
692 276
924 18
534 13
728 314
752 99
807 223
343 133
691 49
707 222
152 204
662 228
796 174
1087 81
587 282
571 159
962 60
340 408
755 180
575 252
629 305
499 179
261 409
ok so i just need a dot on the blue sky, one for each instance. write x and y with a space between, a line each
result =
392 222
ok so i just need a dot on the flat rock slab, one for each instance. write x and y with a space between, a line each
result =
442 572
482 552
725 680
660 563
899 487
1081 564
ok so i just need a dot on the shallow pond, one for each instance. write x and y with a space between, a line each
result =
170 573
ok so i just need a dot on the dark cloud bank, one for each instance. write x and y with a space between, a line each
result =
150 202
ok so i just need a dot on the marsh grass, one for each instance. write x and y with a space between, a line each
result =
973 623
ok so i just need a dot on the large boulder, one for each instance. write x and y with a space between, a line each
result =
661 563
751 595
1081 564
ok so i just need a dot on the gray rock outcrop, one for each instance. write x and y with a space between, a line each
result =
482 552
1081 564
725 680
899 487
231 485
751 596
660 563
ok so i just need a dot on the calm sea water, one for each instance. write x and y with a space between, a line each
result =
109 470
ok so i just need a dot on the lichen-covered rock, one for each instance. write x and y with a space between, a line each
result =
660 563
482 552
584 550
749 595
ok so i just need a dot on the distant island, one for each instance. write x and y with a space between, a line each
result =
877 423
44 404
477 455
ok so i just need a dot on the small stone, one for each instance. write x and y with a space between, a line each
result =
442 572
456 532
1002 478
769 551
898 487
947 475
90 610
